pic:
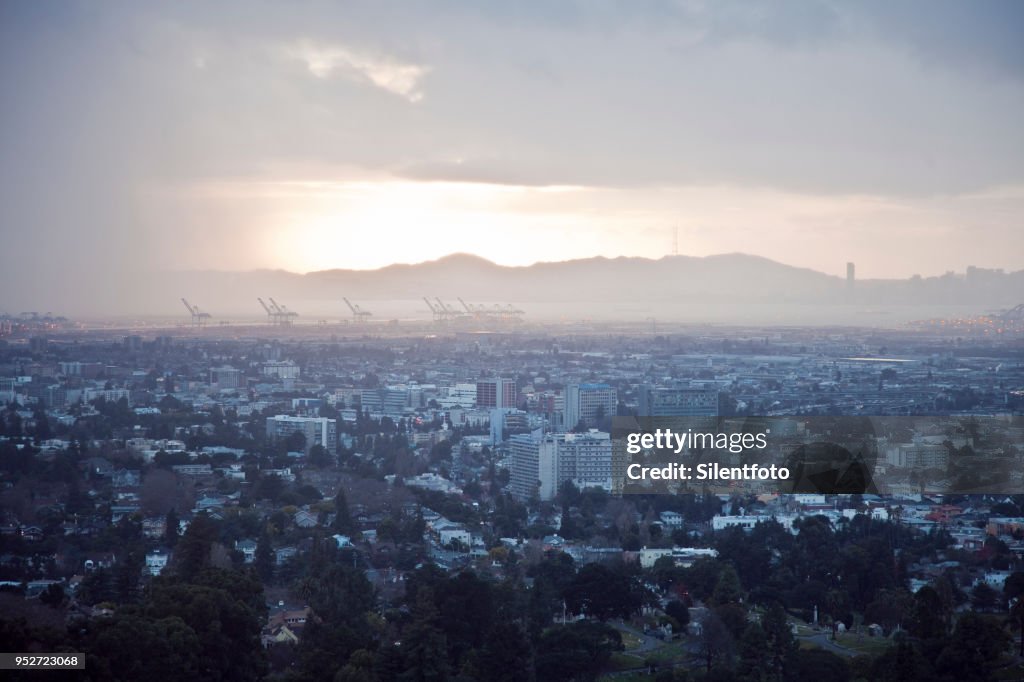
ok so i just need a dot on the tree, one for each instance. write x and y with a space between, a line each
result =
727 589
928 615
753 652
889 609
269 488
578 651
42 429
342 518
127 573
295 442
225 610
505 656
360 668
341 599
781 644
902 663
973 650
161 491
171 528
465 604
1017 618
1014 585
96 588
424 645
193 552
53 595
715 643
1013 592
665 572
702 577
568 495
264 559
551 577
984 597
77 501
601 593
135 647
812 665
320 457
677 611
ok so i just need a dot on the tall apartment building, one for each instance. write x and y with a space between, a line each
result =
588 403
541 462
918 456
586 460
317 430
503 419
459 395
7 389
499 393
532 457
281 370
391 400
226 378
677 401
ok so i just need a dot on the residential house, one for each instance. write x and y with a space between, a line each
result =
125 478
156 561
449 535
154 526
672 520
282 554
247 548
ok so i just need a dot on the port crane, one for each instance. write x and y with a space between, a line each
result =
285 316
278 315
450 312
271 315
358 314
442 312
507 313
199 318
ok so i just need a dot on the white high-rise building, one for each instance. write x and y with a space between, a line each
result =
678 401
227 378
317 430
542 462
588 403
459 395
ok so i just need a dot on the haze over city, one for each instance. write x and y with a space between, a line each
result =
603 341
175 137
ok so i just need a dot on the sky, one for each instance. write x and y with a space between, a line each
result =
142 136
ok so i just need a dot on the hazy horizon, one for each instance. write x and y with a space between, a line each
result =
467 255
727 288
152 138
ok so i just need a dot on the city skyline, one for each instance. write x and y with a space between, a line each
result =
365 340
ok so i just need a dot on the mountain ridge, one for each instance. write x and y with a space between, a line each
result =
461 258
726 278
599 282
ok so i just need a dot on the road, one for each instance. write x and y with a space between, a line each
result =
824 640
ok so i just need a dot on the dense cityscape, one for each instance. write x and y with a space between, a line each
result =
437 501
432 341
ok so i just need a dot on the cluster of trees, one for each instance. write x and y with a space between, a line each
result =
452 627
198 622
852 575
970 652
936 644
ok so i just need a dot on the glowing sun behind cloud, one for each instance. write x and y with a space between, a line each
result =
324 220
373 224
